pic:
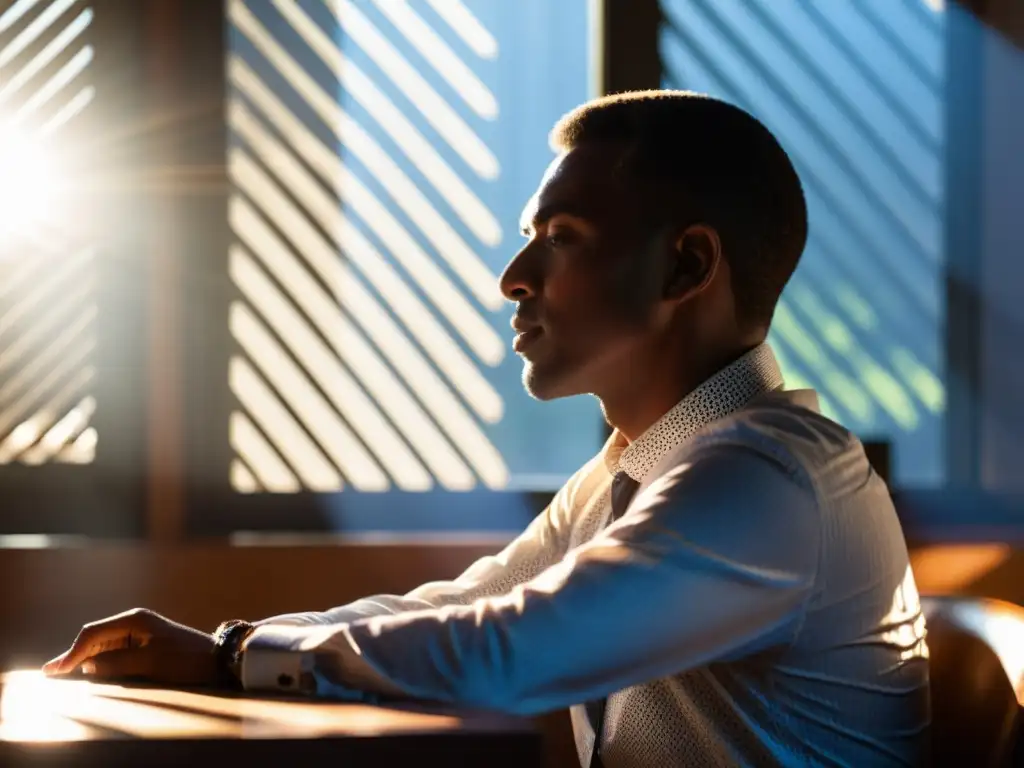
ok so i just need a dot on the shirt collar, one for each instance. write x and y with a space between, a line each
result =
755 373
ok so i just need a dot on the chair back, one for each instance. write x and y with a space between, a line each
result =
976 648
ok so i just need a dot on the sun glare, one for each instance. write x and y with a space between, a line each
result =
27 709
29 182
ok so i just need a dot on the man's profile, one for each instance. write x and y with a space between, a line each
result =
726 582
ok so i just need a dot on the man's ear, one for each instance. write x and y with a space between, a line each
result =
697 252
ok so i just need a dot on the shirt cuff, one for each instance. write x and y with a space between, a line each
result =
279 658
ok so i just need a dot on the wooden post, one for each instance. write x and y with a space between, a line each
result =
165 509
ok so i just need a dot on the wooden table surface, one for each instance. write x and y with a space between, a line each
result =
77 722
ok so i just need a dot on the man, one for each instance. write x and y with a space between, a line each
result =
726 583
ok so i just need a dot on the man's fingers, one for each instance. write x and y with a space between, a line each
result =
53 665
126 662
91 641
123 631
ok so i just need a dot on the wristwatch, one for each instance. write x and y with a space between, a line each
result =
229 638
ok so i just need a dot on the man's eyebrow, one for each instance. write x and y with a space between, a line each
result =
546 212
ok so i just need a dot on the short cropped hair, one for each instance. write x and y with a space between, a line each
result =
714 164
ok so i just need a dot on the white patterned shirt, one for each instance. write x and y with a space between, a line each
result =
753 606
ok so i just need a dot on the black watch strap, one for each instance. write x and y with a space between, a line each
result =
227 651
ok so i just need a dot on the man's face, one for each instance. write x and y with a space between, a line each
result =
588 280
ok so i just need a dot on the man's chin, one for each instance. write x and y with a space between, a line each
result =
545 385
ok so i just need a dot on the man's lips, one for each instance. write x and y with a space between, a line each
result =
525 338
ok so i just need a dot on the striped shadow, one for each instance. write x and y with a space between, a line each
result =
856 109
47 275
364 320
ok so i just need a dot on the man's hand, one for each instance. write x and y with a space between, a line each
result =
140 644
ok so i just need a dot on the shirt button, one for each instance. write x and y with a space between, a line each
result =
285 681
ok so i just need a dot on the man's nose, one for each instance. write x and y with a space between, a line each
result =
519 280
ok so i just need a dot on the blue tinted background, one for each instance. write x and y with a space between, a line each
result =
855 93
855 90
540 71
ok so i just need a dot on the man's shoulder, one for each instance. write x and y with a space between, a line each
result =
790 419
782 427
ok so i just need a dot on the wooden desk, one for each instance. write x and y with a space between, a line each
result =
76 722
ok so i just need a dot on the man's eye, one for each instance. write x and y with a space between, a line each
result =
558 239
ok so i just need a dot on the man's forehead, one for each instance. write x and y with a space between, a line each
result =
581 179
589 163
554 168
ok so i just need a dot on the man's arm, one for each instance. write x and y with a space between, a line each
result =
544 542
715 561
141 643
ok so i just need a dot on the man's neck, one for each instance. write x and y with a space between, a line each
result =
649 392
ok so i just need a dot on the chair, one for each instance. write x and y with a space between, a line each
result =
977 680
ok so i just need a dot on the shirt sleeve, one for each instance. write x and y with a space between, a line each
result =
544 542
714 561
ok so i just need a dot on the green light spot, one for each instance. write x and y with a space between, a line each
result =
845 390
828 410
803 296
787 326
837 335
862 313
850 395
890 395
832 329
925 384
794 380
789 375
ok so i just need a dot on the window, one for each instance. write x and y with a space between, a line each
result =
47 265
380 154
855 92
